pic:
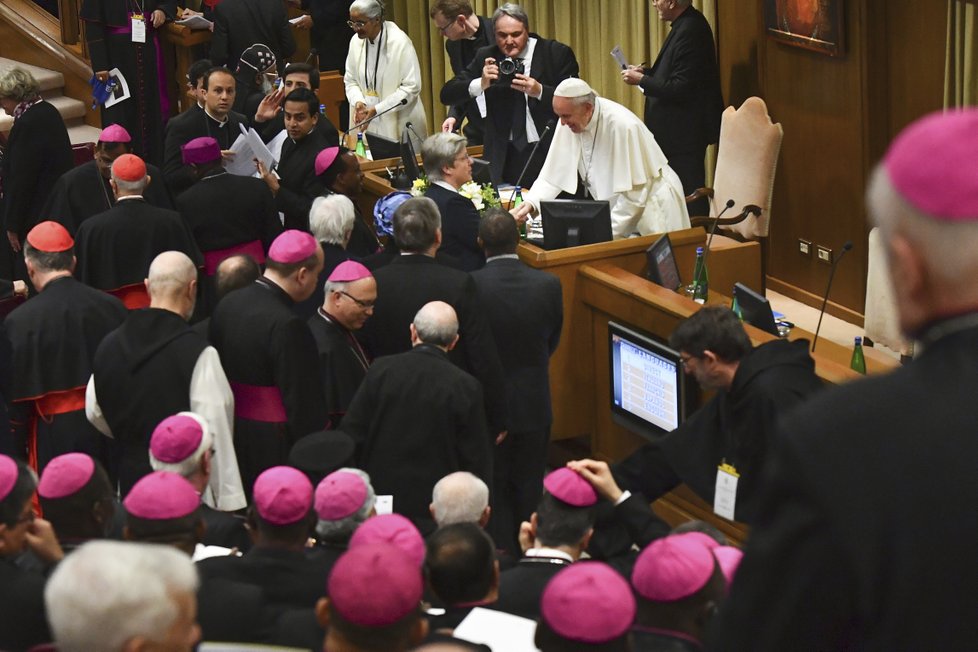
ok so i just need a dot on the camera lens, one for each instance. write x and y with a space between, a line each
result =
507 67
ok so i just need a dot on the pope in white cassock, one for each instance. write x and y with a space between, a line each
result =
614 154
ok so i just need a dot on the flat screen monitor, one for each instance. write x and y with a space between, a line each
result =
409 159
382 148
575 222
755 309
661 266
648 394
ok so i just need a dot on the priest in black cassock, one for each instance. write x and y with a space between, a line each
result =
272 363
339 171
217 121
238 24
124 35
115 248
295 183
350 295
85 190
53 340
227 214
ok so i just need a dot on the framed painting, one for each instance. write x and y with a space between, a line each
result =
811 24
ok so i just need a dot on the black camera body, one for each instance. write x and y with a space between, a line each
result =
508 69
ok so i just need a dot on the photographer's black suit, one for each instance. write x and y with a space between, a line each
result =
552 63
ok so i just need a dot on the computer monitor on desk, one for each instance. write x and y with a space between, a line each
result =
648 385
381 147
575 222
409 158
755 309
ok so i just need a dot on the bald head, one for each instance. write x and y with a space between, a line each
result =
436 323
172 283
234 273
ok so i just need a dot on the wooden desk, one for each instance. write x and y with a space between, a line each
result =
571 365
178 51
609 292
332 94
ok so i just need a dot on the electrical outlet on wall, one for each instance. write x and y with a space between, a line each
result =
824 254
804 247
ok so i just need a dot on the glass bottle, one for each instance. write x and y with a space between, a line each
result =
701 278
361 148
517 200
858 362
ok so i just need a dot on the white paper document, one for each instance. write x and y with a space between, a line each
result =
502 632
247 148
121 91
195 22
619 57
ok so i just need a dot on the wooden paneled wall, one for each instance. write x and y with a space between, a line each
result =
838 115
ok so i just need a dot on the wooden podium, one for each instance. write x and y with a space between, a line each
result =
571 367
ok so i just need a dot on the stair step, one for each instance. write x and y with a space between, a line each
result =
48 79
68 107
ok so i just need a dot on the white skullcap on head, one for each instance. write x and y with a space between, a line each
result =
573 87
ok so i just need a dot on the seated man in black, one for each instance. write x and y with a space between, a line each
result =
732 433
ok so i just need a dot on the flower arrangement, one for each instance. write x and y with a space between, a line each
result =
481 196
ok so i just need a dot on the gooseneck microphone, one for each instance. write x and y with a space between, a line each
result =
533 152
828 288
713 228
410 127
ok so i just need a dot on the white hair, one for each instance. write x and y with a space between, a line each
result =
109 592
459 497
170 273
343 529
949 248
189 466
369 8
331 219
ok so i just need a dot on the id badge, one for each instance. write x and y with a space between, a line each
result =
384 505
725 496
138 28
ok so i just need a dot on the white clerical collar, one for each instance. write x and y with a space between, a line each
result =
219 122
441 183
549 552
502 257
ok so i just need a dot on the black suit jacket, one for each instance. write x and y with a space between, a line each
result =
553 62
299 184
683 103
38 152
239 24
459 227
183 128
407 284
416 418
520 587
526 314
460 54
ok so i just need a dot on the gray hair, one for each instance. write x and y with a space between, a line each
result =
134 585
436 323
369 8
18 84
340 531
950 248
188 467
130 186
415 224
331 219
459 497
440 151
591 98
512 10
170 273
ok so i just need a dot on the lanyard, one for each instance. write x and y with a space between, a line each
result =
366 58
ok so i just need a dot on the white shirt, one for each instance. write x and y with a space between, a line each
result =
475 89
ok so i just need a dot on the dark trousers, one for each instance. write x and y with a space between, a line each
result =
518 471
689 167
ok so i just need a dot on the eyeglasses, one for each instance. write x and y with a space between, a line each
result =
358 24
684 360
366 305
444 29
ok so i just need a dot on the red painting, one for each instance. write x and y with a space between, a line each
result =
811 24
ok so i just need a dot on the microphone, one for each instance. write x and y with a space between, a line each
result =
363 123
713 229
312 53
410 127
828 288
536 146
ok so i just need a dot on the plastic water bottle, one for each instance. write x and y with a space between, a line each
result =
858 362
701 278
361 148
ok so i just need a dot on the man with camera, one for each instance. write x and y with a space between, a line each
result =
518 76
